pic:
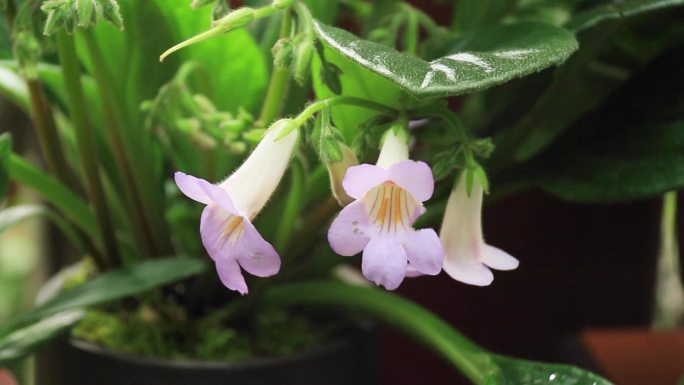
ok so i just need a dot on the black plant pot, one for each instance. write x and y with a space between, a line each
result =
351 359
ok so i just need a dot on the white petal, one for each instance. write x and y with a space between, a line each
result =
468 271
498 259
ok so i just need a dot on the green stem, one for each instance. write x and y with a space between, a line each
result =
313 108
396 312
293 205
278 85
412 33
150 238
457 128
85 142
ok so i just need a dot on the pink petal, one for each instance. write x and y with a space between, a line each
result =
254 254
212 226
384 262
359 179
411 272
348 234
414 177
204 192
498 259
424 251
466 271
231 276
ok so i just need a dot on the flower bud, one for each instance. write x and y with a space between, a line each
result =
282 53
27 50
337 170
112 13
302 60
281 4
236 19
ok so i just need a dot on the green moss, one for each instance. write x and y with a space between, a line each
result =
165 331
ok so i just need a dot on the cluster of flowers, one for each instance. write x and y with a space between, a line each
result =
386 200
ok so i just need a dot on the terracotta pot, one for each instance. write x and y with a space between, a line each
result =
635 356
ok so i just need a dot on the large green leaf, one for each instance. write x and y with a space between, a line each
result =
530 114
130 280
473 14
632 147
479 365
233 66
617 10
494 56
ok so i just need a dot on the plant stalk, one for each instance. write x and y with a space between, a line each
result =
85 142
151 236
279 84
669 301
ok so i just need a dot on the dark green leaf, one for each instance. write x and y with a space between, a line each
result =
617 10
24 341
473 14
493 56
54 192
5 150
632 147
117 284
477 364
512 371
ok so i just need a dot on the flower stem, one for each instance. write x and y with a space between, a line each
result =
293 205
150 235
86 146
669 301
345 100
279 84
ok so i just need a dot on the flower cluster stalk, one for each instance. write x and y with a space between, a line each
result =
150 230
87 150
279 84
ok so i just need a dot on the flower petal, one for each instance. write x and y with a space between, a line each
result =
348 234
231 276
212 226
411 272
414 177
468 271
359 179
204 192
424 251
384 262
254 254
498 259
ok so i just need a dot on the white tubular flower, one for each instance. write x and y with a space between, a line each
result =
226 228
467 257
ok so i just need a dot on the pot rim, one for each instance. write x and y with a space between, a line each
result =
361 330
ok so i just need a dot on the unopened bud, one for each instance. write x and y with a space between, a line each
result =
112 13
236 19
281 4
337 170
282 53
27 50
302 60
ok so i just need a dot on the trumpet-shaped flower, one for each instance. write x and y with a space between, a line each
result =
467 257
225 227
388 200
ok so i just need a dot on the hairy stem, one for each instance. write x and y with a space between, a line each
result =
279 84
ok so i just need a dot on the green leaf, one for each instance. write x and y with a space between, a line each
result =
130 280
473 14
512 371
24 341
531 114
12 216
632 147
13 87
490 57
5 150
480 366
54 192
617 10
